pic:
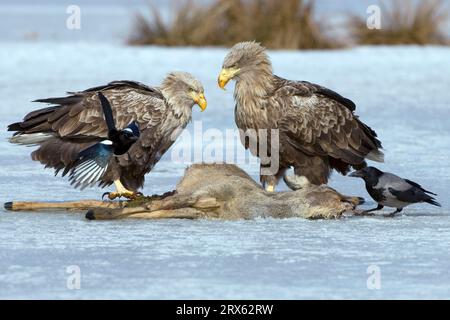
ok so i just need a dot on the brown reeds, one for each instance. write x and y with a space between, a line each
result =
404 22
287 24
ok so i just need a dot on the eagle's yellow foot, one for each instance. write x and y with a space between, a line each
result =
130 195
121 192
270 188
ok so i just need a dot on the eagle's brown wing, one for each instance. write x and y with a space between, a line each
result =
320 122
77 121
80 116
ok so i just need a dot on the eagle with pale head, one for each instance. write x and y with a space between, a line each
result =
317 127
73 125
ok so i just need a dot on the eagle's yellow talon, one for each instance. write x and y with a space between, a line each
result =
122 192
128 195
113 195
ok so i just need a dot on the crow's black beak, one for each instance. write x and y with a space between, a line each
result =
134 138
356 174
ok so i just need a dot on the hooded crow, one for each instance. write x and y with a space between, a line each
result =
390 190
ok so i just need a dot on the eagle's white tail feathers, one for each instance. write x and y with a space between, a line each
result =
295 182
376 155
30 139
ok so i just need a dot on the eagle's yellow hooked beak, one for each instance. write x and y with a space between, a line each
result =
199 98
226 75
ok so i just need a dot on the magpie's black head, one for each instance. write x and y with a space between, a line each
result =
127 137
123 141
368 174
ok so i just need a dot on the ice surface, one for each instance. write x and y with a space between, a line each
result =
402 92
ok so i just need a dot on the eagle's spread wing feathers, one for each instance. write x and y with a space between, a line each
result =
320 122
81 116
77 122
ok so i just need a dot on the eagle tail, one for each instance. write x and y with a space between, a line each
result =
30 139
375 155
375 145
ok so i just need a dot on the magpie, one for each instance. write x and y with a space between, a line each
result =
93 161
390 190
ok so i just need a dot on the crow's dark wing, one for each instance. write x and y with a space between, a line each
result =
415 184
91 165
411 195
107 111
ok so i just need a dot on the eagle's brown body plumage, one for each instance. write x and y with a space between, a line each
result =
77 122
318 130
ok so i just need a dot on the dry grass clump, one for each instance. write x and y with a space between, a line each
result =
286 24
404 22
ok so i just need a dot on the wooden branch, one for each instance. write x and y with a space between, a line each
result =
105 214
174 206
63 205
177 206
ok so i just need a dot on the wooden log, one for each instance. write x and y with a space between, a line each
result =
105 214
63 205
177 206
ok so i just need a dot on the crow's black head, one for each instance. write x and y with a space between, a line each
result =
368 174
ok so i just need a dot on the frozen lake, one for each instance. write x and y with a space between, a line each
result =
403 93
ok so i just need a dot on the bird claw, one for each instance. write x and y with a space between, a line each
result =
364 214
389 215
129 195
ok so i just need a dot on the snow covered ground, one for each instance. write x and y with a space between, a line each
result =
402 92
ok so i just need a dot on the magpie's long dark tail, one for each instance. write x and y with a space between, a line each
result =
107 111
433 202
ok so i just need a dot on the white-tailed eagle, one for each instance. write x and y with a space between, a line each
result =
318 130
76 122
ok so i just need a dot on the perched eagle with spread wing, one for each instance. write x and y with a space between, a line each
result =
76 123
317 128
